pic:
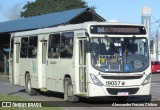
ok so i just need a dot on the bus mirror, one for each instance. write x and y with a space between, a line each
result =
87 46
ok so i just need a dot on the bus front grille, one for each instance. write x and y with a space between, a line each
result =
114 91
122 77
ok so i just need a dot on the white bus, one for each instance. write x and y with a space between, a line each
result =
90 59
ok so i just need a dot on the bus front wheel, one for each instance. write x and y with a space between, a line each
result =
31 91
68 91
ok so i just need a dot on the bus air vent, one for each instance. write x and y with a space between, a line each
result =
114 91
122 77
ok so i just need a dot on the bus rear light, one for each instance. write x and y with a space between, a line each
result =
96 80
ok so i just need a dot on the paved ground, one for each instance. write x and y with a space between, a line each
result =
9 89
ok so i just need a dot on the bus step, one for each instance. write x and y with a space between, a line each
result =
43 89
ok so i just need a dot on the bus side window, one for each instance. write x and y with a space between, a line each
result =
24 47
54 46
66 50
32 49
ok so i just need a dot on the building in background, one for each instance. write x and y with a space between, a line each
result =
146 18
153 41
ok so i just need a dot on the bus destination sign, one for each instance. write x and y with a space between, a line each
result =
127 30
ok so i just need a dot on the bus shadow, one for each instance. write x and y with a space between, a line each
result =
47 94
111 100
98 100
22 90
51 94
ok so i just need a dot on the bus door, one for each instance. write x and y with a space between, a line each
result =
82 66
42 62
16 65
11 61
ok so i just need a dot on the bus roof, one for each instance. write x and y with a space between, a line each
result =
70 27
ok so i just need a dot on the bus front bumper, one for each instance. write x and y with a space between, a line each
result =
96 91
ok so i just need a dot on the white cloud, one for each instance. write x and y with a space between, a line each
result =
13 12
10 9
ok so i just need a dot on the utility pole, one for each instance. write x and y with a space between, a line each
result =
146 20
157 45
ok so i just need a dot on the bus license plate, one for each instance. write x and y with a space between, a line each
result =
122 93
113 83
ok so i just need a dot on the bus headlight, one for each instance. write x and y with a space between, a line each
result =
147 80
96 80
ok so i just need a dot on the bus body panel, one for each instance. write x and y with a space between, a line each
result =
49 73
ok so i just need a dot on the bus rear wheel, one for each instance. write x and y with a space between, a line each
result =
31 91
68 93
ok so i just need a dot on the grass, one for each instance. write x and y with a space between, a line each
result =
16 98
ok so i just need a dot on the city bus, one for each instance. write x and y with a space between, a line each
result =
155 61
91 59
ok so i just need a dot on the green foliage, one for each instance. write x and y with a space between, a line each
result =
49 6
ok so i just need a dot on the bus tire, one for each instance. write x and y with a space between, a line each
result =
26 88
31 91
68 91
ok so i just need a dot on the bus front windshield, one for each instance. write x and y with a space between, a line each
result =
114 54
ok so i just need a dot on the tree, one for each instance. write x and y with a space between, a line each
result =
49 6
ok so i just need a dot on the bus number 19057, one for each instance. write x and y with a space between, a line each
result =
113 83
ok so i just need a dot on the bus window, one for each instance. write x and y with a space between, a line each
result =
121 55
66 50
54 46
24 47
32 48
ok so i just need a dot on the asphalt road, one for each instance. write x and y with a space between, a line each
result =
85 104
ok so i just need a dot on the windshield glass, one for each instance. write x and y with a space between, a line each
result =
119 54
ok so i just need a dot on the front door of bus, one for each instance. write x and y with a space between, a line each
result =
42 62
82 66
16 66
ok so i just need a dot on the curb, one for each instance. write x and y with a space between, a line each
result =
4 77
